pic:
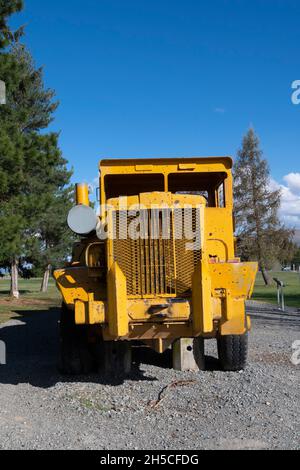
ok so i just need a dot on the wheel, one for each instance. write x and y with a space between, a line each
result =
75 357
233 352
199 352
118 358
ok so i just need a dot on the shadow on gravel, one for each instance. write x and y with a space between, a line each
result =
32 354
212 364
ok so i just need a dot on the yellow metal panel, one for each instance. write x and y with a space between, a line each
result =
75 284
237 324
81 312
144 310
117 302
144 167
96 311
148 331
219 233
187 166
201 300
166 164
229 306
237 278
166 167
91 313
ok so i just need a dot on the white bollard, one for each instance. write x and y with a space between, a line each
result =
186 357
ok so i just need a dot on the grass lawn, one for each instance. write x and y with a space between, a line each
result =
269 294
31 298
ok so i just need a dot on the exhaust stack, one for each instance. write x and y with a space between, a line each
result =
82 194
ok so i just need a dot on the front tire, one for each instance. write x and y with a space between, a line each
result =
75 357
233 352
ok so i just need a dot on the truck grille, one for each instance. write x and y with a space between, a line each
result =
160 264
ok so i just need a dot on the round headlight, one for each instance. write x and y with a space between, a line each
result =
82 220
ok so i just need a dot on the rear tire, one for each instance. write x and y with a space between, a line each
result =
233 352
75 356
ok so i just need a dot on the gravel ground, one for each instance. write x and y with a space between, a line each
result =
256 409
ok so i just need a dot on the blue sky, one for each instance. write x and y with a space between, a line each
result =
171 78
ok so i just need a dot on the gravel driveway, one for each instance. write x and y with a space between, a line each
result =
256 409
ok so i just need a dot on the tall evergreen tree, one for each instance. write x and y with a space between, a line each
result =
48 201
33 173
8 8
261 235
31 105
11 158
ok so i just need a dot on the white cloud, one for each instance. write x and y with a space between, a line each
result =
290 203
293 182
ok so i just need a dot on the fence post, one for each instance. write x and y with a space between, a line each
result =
280 294
2 92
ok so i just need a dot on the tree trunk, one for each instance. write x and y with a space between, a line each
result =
14 287
265 276
45 282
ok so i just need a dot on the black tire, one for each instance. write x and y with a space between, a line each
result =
233 352
199 352
75 356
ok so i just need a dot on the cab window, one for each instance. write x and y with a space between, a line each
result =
209 185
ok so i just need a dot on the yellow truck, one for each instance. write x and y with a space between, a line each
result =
156 266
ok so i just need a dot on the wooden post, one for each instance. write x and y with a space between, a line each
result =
45 282
2 93
14 289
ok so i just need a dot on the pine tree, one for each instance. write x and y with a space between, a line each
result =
261 236
30 106
8 8
33 173
48 201
10 152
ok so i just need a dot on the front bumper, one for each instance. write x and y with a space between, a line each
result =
217 304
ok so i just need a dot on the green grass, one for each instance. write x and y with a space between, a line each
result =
31 299
269 294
